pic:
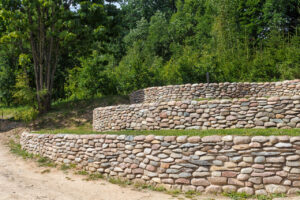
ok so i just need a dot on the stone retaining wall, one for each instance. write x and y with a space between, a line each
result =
255 112
255 165
215 90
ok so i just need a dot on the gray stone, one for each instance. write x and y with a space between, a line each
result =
275 189
260 159
247 190
241 140
283 145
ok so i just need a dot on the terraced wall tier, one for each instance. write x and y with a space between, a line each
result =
255 165
215 90
255 112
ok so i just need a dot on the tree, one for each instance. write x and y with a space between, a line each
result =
49 26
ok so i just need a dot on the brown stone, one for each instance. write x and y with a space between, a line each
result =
241 147
213 189
296 183
233 181
213 138
163 115
276 159
200 182
167 181
138 171
217 180
263 174
229 174
155 146
194 139
170 138
165 165
182 181
272 180
151 168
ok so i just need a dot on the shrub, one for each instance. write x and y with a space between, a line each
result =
26 115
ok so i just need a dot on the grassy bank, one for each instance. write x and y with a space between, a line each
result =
63 114
248 132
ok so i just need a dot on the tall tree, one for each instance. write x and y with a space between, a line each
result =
48 25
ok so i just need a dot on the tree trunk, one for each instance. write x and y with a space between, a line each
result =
45 52
44 104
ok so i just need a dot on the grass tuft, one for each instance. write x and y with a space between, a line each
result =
16 149
237 195
45 162
174 193
119 181
65 167
94 177
244 196
82 172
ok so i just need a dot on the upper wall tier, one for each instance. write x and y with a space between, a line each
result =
215 90
255 112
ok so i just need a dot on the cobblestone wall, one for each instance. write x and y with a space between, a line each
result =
255 165
215 90
255 112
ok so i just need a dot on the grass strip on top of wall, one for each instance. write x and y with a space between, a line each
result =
248 132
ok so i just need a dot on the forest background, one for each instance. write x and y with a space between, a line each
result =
53 50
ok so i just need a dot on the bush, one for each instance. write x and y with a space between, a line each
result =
26 115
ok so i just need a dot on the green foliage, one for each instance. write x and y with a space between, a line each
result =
7 82
24 94
92 78
104 49
26 115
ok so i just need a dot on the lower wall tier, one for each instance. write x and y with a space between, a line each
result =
255 165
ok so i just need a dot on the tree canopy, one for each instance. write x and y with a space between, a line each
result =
54 49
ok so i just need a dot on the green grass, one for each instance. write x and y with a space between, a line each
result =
82 172
174 193
247 132
191 194
237 195
94 177
16 149
65 167
63 113
119 181
244 196
45 162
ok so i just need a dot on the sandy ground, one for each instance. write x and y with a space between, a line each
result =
23 180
